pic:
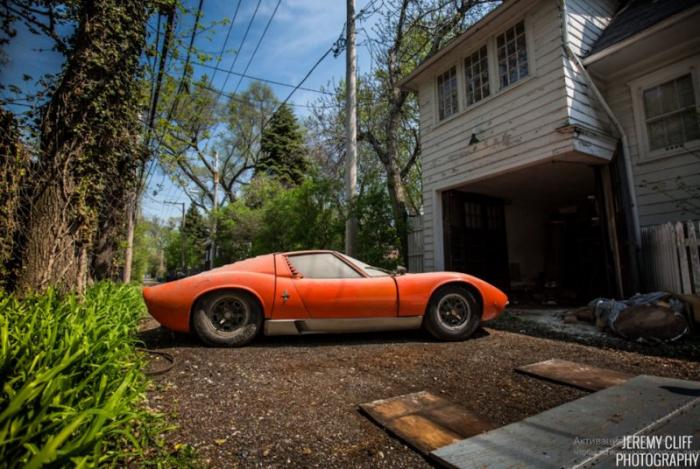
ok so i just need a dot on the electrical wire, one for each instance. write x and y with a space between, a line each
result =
257 46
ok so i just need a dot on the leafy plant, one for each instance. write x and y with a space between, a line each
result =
73 385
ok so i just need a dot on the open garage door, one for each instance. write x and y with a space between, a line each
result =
475 236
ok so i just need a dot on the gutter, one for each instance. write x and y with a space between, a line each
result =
623 135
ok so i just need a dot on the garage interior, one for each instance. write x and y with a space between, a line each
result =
539 233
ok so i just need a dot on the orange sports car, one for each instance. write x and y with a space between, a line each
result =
310 292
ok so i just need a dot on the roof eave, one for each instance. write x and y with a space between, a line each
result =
408 82
612 48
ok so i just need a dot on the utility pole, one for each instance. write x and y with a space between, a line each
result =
182 233
212 245
350 131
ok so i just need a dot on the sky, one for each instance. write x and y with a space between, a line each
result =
300 32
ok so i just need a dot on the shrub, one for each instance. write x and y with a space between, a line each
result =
72 381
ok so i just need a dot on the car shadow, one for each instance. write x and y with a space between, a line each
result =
158 337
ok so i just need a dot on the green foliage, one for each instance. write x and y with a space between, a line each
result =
14 162
273 218
282 145
377 237
73 386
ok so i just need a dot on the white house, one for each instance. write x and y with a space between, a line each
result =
553 132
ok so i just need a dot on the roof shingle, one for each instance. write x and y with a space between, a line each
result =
635 16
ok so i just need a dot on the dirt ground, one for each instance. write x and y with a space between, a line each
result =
292 401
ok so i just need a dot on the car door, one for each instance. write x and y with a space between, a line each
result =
331 288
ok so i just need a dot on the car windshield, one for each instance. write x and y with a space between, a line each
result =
369 269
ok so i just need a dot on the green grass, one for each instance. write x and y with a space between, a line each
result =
72 383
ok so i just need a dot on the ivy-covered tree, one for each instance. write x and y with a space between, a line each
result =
14 161
89 144
282 147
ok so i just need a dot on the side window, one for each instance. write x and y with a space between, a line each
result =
476 76
322 265
670 112
512 55
447 93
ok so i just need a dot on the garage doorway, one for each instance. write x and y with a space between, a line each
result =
475 236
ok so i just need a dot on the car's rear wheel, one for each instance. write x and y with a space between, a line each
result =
453 313
231 318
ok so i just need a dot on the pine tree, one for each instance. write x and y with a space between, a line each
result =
283 149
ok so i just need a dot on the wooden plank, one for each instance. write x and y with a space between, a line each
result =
694 257
579 375
683 259
425 421
582 432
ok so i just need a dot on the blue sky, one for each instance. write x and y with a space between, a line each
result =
300 32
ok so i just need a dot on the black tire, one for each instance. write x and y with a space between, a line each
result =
229 317
460 317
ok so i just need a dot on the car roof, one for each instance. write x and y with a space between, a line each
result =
308 251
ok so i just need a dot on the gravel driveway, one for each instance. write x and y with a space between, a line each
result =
292 401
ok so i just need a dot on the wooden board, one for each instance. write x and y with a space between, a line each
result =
425 421
586 377
584 432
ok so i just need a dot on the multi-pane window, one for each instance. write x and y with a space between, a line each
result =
476 76
512 55
447 93
671 114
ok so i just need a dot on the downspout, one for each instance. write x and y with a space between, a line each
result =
623 135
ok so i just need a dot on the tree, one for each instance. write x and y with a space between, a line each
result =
282 147
89 148
14 163
408 32
199 126
196 234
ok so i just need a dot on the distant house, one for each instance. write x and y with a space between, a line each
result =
553 132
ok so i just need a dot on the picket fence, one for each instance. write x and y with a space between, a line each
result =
671 261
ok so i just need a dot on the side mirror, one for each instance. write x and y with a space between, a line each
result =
400 270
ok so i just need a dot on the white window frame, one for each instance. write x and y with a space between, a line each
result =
528 54
637 87
460 93
489 80
495 89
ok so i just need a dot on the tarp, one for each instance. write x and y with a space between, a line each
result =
649 317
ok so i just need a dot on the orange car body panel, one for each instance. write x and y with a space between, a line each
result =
269 277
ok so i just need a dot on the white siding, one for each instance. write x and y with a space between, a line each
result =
586 21
515 128
667 188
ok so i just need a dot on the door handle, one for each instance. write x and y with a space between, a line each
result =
285 296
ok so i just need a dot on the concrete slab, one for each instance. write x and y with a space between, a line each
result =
582 432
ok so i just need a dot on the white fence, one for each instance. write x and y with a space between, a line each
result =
415 244
671 261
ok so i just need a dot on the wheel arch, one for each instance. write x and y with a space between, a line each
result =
473 289
252 293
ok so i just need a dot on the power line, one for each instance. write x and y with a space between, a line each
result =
257 46
245 36
228 35
266 80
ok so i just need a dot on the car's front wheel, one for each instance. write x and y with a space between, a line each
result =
453 313
230 318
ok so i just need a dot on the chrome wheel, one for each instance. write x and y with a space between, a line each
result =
453 312
228 314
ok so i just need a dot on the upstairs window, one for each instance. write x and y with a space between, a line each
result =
512 55
670 113
447 93
476 76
